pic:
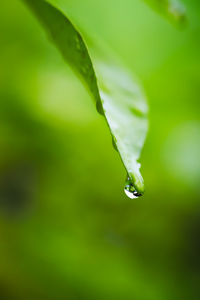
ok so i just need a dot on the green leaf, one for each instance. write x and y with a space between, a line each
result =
118 97
172 9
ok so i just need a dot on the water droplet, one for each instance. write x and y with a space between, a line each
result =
99 108
114 143
78 42
130 190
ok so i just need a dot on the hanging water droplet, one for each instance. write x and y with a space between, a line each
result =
130 194
130 190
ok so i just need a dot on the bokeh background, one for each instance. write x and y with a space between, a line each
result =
67 230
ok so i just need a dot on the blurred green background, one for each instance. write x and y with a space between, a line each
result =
67 230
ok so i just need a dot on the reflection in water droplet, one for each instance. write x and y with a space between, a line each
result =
130 191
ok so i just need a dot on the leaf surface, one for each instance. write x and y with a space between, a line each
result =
117 96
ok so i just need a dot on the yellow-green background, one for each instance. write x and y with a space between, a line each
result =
67 230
